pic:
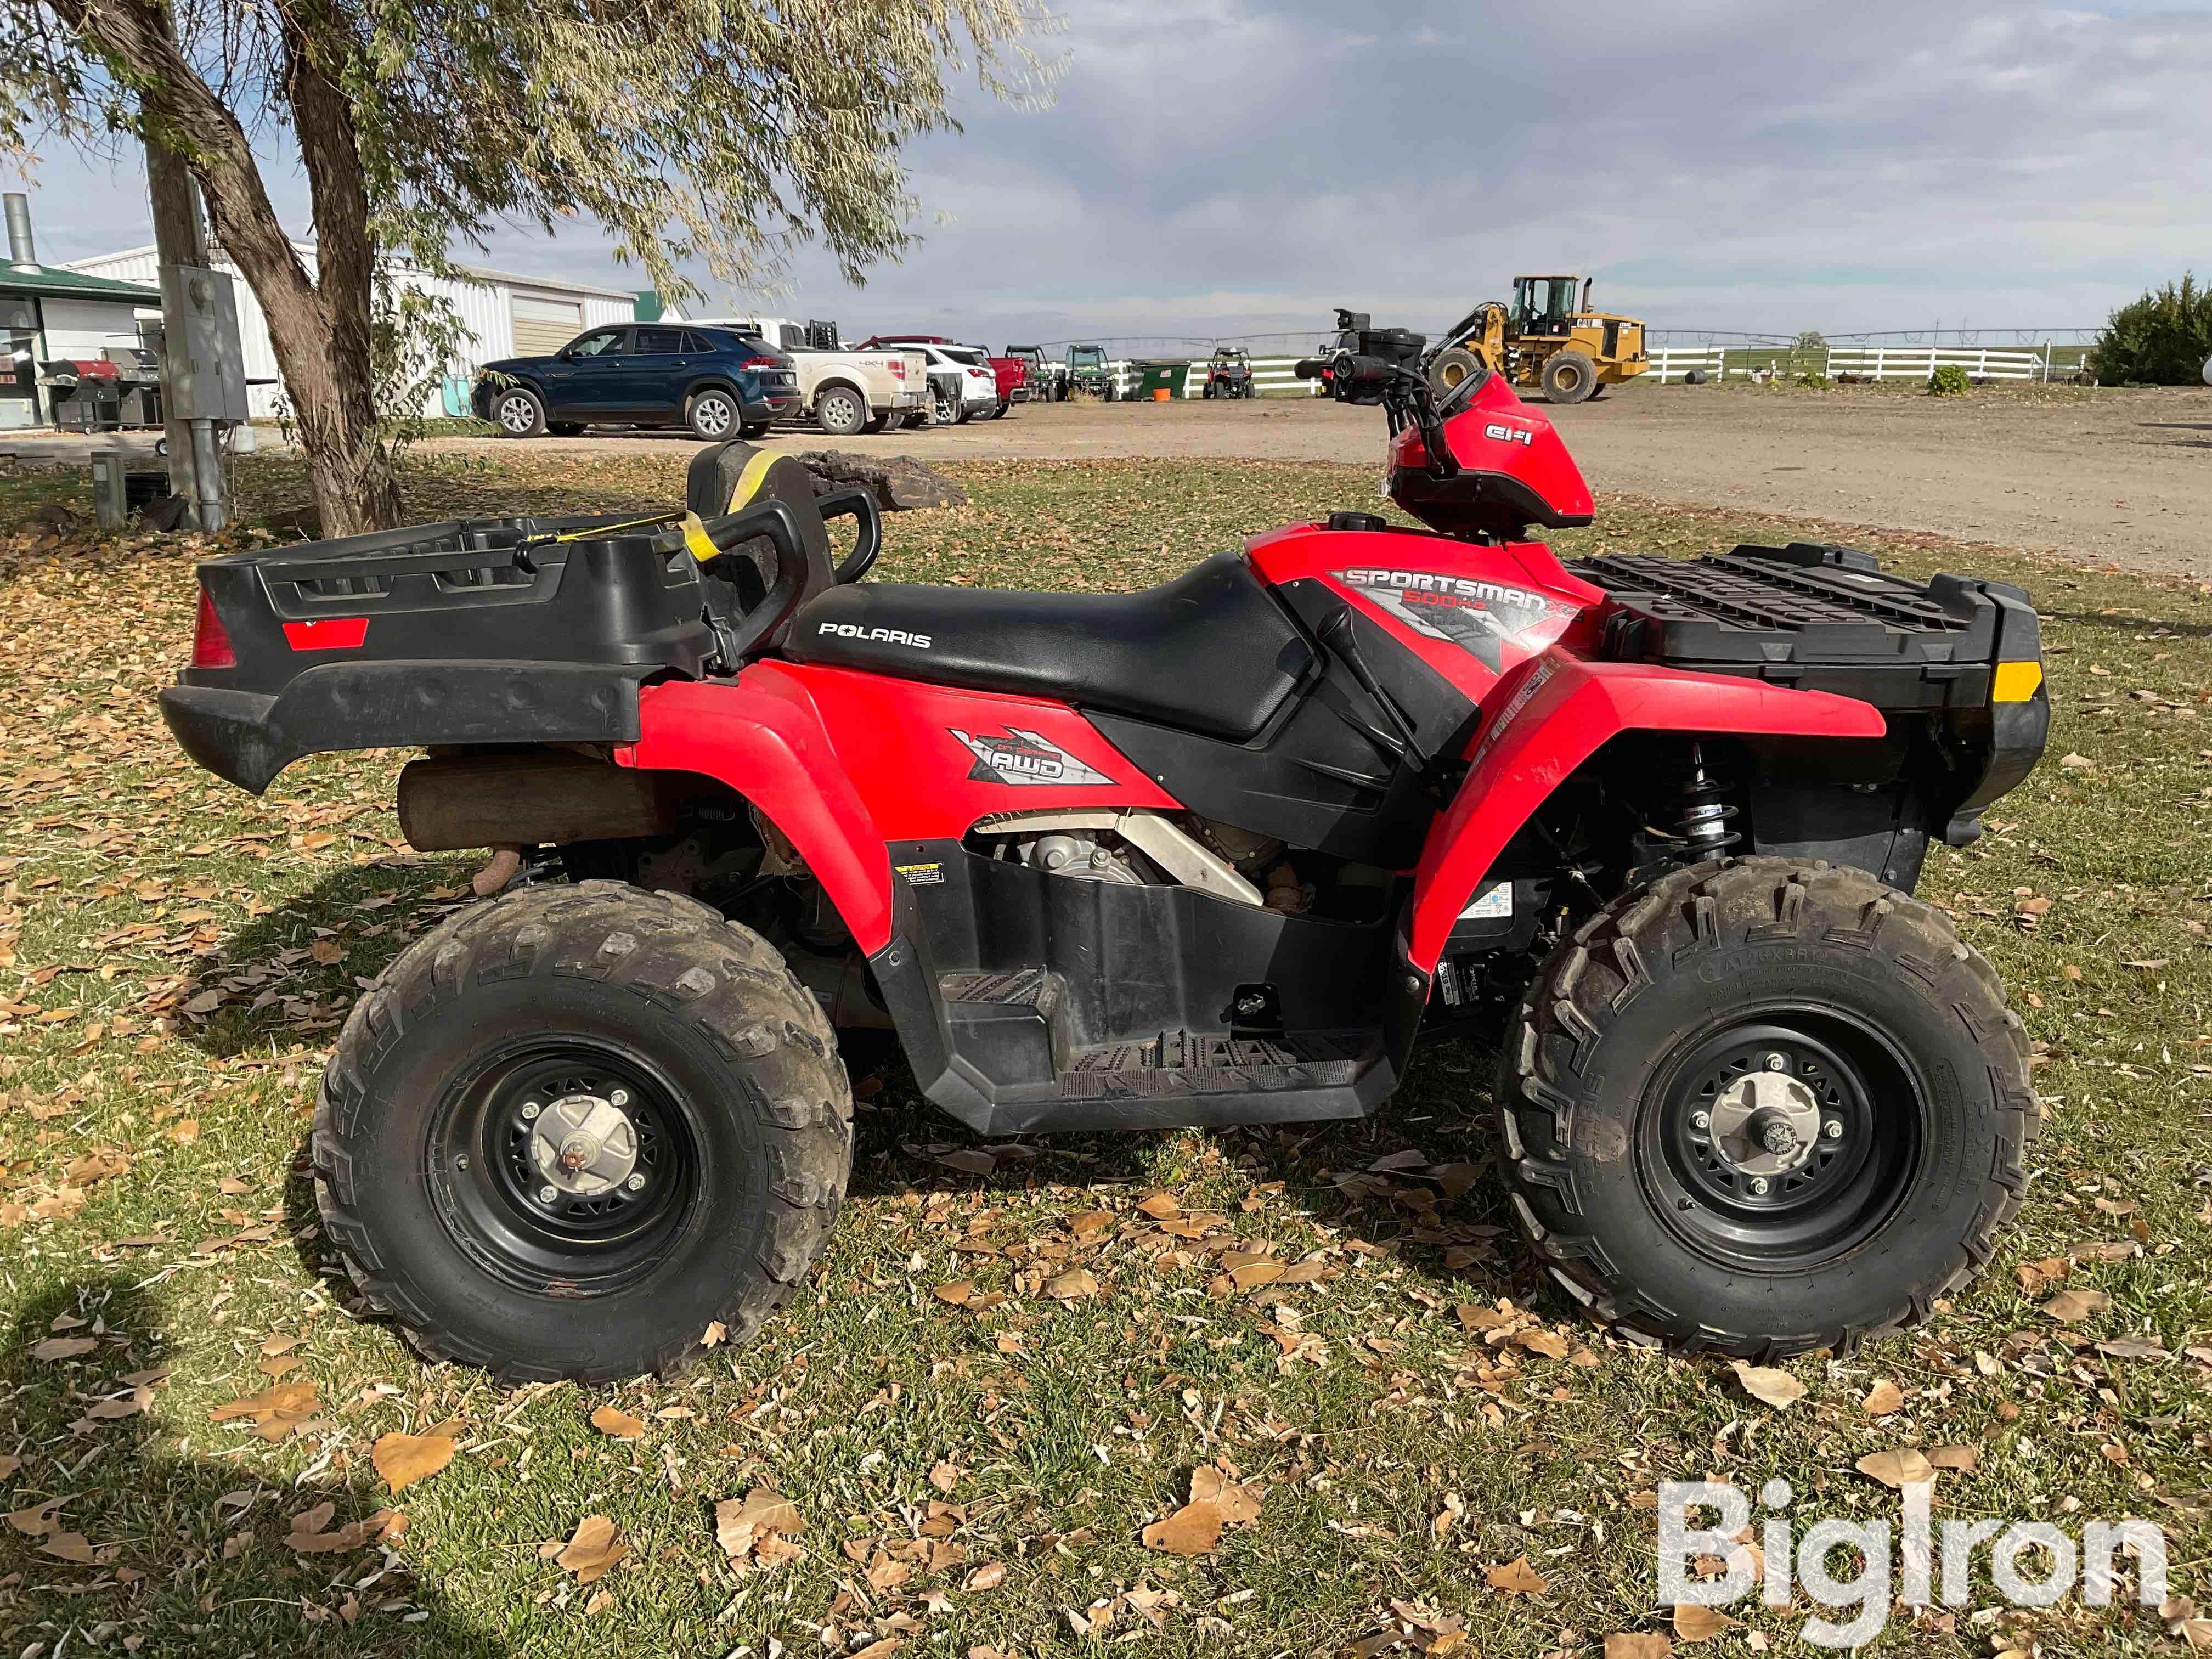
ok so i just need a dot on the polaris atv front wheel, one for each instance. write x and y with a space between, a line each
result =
1758 1108
573 1128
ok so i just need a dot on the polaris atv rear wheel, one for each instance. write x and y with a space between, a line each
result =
575 1127
1758 1108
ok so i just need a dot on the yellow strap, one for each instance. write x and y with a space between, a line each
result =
695 538
750 480
599 530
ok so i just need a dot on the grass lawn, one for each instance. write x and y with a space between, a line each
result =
973 1458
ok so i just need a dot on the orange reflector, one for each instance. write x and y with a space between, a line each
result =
2015 682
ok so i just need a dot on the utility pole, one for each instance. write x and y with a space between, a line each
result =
179 241
180 246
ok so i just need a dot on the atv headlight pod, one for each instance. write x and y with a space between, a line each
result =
2015 682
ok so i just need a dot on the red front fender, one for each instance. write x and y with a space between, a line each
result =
1557 713
763 736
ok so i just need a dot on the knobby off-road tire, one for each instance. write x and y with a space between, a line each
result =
499 1023
1654 1015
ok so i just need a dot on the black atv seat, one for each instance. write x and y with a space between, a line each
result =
1209 652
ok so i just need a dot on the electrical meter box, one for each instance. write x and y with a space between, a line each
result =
206 364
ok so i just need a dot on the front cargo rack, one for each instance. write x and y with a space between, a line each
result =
1815 618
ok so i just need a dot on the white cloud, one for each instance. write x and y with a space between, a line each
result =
1231 165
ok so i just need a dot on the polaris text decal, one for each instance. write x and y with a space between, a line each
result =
1023 757
888 636
1481 617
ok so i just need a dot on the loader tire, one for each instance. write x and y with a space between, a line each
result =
1451 368
1569 377
1638 1093
574 1128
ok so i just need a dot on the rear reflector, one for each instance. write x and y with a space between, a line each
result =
339 633
210 643
2015 682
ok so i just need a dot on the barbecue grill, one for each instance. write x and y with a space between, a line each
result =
116 389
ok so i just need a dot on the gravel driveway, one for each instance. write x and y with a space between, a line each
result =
2122 477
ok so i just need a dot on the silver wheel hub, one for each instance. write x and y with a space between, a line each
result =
714 414
1764 1124
583 1146
516 413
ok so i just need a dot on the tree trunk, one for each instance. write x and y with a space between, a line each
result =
320 330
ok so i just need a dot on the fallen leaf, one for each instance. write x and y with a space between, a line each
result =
593 1550
403 1459
1964 1459
618 1424
63 1347
2067 1306
1655 1644
1695 1622
1161 1206
2133 1347
276 1411
1239 1504
1774 1387
1902 1467
989 1577
1072 1286
37 1520
959 1292
714 1335
1517 1578
1882 1400
1193 1529
69 1546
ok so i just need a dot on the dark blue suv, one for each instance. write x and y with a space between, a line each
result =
718 384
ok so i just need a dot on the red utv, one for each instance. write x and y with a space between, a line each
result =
1220 852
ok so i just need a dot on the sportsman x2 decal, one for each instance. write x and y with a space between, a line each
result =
1023 757
1481 617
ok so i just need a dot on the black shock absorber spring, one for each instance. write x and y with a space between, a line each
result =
1704 824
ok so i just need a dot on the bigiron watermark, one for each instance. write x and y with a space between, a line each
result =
1918 1562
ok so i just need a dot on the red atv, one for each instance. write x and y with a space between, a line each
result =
1215 852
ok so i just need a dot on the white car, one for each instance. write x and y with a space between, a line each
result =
977 381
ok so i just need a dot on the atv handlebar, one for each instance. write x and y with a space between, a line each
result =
779 525
1403 391
858 505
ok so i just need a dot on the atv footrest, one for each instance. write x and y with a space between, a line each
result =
1177 1063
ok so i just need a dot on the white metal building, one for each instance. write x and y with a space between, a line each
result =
510 315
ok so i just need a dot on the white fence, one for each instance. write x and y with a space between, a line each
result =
1269 375
2042 363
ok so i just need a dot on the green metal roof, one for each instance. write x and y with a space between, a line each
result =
51 282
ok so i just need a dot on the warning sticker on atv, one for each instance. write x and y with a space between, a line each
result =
1023 757
1482 618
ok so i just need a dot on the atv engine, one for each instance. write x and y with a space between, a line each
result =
1139 849
1087 855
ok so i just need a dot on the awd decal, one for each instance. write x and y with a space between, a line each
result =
1482 618
1023 757
888 636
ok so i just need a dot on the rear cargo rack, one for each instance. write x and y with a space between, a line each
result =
1817 618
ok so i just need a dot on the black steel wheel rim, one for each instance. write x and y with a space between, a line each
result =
1830 1195
542 1232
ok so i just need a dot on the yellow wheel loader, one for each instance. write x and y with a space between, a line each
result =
1542 339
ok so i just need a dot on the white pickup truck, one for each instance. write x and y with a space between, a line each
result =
842 392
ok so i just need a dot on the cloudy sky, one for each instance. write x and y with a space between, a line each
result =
1225 166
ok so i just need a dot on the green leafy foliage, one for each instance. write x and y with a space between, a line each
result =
1949 380
2162 339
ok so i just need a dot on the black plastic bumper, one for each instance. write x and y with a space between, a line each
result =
247 738
754 410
